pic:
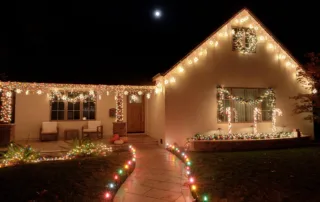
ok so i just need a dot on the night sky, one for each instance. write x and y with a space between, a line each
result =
121 42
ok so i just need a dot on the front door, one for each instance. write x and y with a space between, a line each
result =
135 113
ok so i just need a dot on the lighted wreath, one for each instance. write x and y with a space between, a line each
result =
244 40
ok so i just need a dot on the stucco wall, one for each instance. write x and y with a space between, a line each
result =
191 105
155 117
32 110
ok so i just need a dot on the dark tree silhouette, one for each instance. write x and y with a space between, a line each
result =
309 77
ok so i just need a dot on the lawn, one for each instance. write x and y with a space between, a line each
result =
291 175
72 180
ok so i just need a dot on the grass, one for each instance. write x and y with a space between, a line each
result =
291 175
73 180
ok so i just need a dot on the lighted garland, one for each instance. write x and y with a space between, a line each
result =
243 136
188 172
119 107
73 96
6 108
250 37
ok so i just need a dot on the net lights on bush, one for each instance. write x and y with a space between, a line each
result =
191 178
243 136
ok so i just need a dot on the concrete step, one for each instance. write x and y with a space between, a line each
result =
141 139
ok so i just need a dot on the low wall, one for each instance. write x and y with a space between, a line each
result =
246 145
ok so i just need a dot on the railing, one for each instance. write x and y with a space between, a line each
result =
6 134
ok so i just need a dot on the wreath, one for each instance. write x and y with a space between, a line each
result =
250 40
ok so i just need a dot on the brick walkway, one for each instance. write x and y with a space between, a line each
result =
158 177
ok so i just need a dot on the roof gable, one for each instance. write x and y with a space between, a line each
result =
243 18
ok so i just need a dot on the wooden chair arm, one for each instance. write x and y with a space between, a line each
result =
100 128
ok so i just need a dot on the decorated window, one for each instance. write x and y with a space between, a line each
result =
244 40
242 102
73 105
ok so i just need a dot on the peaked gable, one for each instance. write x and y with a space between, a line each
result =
244 19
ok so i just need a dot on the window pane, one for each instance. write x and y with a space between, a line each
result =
70 115
85 114
54 106
70 106
54 115
61 105
76 106
60 115
92 106
76 115
85 106
92 115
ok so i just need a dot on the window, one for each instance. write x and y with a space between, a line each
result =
57 109
74 106
89 110
241 112
244 40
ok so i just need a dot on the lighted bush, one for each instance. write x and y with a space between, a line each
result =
87 148
18 154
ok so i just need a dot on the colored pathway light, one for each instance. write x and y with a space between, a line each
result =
108 195
111 185
129 162
189 163
205 198
191 180
116 177
126 167
194 187
120 171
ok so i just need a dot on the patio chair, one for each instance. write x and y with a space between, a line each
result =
93 127
49 130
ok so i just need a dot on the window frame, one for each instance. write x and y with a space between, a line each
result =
81 112
233 106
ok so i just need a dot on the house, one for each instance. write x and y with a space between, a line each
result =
239 72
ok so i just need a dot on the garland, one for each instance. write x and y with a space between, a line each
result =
250 38
73 96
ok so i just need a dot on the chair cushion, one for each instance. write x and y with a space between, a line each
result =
89 130
49 127
94 124
118 142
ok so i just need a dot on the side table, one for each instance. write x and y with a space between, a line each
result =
72 132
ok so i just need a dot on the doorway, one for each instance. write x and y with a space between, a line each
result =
135 114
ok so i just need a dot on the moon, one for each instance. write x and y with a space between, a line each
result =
157 13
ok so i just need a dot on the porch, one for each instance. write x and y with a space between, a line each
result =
60 147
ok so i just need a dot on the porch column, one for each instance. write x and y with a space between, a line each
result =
119 106
6 108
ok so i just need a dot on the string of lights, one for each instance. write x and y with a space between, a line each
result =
254 34
191 178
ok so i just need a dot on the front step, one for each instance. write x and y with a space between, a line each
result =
141 140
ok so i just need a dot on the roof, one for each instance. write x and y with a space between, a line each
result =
245 18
